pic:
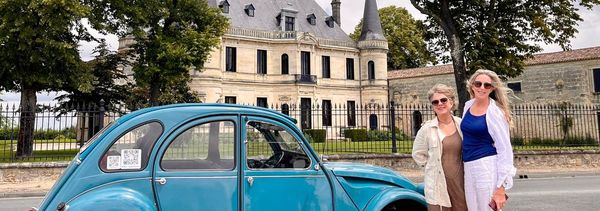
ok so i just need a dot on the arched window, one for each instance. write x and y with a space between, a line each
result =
285 109
371 70
285 64
373 122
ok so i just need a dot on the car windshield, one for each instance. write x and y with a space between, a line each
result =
94 138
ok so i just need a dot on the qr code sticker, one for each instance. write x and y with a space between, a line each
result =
131 158
113 162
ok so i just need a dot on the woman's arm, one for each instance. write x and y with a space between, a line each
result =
420 148
504 163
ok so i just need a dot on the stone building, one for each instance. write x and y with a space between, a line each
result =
292 53
567 76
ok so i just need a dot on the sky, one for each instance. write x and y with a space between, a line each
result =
351 13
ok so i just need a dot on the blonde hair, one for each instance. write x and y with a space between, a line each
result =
500 93
445 90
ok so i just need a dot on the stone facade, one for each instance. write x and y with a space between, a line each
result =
547 78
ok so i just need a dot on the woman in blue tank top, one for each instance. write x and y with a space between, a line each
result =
487 152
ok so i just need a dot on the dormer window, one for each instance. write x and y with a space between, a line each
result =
249 10
330 22
224 5
312 19
289 23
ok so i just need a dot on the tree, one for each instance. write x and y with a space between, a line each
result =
405 35
498 35
109 84
171 38
38 51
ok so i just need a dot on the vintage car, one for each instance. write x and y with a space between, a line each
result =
219 157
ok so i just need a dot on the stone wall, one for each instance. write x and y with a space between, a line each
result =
546 83
590 159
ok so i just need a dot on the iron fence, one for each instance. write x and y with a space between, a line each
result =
59 132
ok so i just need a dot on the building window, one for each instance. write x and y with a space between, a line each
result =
305 65
261 61
249 9
515 86
224 5
596 80
371 65
312 19
330 22
262 102
326 112
289 23
230 59
230 99
326 67
351 113
285 64
350 68
285 109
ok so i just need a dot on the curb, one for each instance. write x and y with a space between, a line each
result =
22 194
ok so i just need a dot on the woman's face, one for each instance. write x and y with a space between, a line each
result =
441 104
482 86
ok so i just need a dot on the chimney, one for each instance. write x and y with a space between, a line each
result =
335 7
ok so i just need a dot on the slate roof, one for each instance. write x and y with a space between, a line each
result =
371 29
266 12
538 59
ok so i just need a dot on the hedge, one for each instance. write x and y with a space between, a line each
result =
315 135
13 133
356 135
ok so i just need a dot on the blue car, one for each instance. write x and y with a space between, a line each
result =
219 157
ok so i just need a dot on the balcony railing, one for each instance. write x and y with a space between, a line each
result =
305 79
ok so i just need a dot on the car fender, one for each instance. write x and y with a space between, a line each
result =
393 194
114 198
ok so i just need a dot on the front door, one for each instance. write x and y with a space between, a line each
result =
197 167
278 173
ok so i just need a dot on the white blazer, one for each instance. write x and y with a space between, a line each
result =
499 129
427 152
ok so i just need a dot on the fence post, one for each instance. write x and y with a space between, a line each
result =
101 116
393 119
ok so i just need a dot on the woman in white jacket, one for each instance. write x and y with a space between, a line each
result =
487 152
437 147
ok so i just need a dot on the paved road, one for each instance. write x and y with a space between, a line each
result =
580 193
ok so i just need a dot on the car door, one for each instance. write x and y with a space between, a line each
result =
278 174
197 167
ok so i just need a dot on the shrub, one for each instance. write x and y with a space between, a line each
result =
8 133
379 135
580 141
356 135
317 135
518 141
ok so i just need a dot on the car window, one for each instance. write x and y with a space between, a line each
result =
131 151
208 146
271 146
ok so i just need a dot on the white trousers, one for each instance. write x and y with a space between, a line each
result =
480 183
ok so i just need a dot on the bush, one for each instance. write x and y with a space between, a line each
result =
356 135
518 141
379 135
316 135
8 133
580 141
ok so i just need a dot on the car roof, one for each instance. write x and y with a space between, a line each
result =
208 108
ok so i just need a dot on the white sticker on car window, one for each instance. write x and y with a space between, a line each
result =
131 158
113 162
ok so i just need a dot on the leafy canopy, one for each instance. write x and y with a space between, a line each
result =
171 38
405 36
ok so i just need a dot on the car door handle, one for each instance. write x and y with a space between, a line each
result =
250 181
161 181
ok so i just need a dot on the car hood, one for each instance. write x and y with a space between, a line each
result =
366 171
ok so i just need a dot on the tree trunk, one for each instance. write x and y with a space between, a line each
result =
26 122
154 91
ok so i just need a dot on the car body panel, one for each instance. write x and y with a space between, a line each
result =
318 186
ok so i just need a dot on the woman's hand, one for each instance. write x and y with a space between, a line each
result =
500 197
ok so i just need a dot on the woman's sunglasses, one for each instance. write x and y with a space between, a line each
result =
442 101
486 85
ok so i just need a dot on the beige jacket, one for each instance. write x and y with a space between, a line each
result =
427 152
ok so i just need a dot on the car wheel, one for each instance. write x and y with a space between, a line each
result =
405 205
